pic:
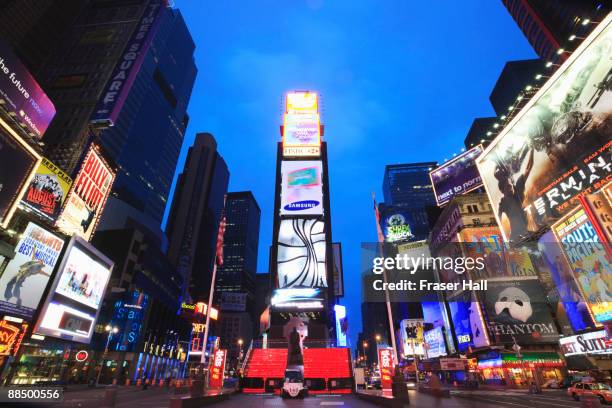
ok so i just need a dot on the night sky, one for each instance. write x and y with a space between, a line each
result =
400 81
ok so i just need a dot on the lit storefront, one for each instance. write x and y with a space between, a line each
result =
509 370
588 354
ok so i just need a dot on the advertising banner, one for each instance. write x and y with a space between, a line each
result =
518 312
25 278
458 176
73 304
48 189
576 309
453 364
411 335
435 345
128 315
338 270
301 253
599 205
22 95
469 325
301 190
596 342
123 76
589 258
301 125
18 162
387 367
86 199
558 146
11 336
341 325
217 370
297 299
396 225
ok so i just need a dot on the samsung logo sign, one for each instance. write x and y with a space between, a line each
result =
302 205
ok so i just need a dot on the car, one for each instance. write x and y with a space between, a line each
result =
553 384
294 386
602 391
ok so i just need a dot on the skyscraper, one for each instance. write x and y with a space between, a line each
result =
548 24
152 122
240 245
513 79
195 215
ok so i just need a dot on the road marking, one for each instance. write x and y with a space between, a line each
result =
500 402
522 405
332 403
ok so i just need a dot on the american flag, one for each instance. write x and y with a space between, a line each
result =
381 236
220 234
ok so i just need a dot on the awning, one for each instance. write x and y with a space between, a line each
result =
579 362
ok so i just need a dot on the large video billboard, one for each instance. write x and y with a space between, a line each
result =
47 190
590 260
18 162
518 311
22 95
86 199
469 324
301 253
558 146
301 190
396 225
458 176
74 301
25 277
411 336
435 345
301 124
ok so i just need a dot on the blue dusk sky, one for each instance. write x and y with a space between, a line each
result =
400 81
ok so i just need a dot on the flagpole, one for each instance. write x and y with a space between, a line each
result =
208 309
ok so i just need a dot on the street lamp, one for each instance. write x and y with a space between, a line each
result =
365 357
240 343
111 330
377 339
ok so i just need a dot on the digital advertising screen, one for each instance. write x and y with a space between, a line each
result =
301 253
341 325
73 303
456 177
468 324
589 259
26 276
302 190
558 145
297 299
396 225
47 190
87 197
18 162
411 335
435 345
301 124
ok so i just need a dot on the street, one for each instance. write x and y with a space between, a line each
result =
159 398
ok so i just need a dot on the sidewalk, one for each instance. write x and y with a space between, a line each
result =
417 399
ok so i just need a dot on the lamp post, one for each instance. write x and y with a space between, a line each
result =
240 343
365 357
111 331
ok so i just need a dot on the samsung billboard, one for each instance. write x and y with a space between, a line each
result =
302 190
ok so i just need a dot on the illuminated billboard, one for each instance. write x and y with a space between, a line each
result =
87 197
21 95
47 190
435 345
411 335
341 325
596 342
396 225
468 324
297 299
18 162
301 253
301 190
558 146
301 125
73 303
26 276
589 258
518 311
458 176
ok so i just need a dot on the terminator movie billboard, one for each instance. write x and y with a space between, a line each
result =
558 146
458 176
518 311
301 190
301 124
22 95
18 162
73 303
25 278
47 190
589 259
301 253
87 197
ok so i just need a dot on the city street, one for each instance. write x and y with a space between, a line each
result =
158 398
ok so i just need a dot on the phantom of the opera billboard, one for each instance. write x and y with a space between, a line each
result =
18 161
87 197
589 259
301 253
458 176
558 146
74 301
518 312
47 190
302 191
25 278
301 125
